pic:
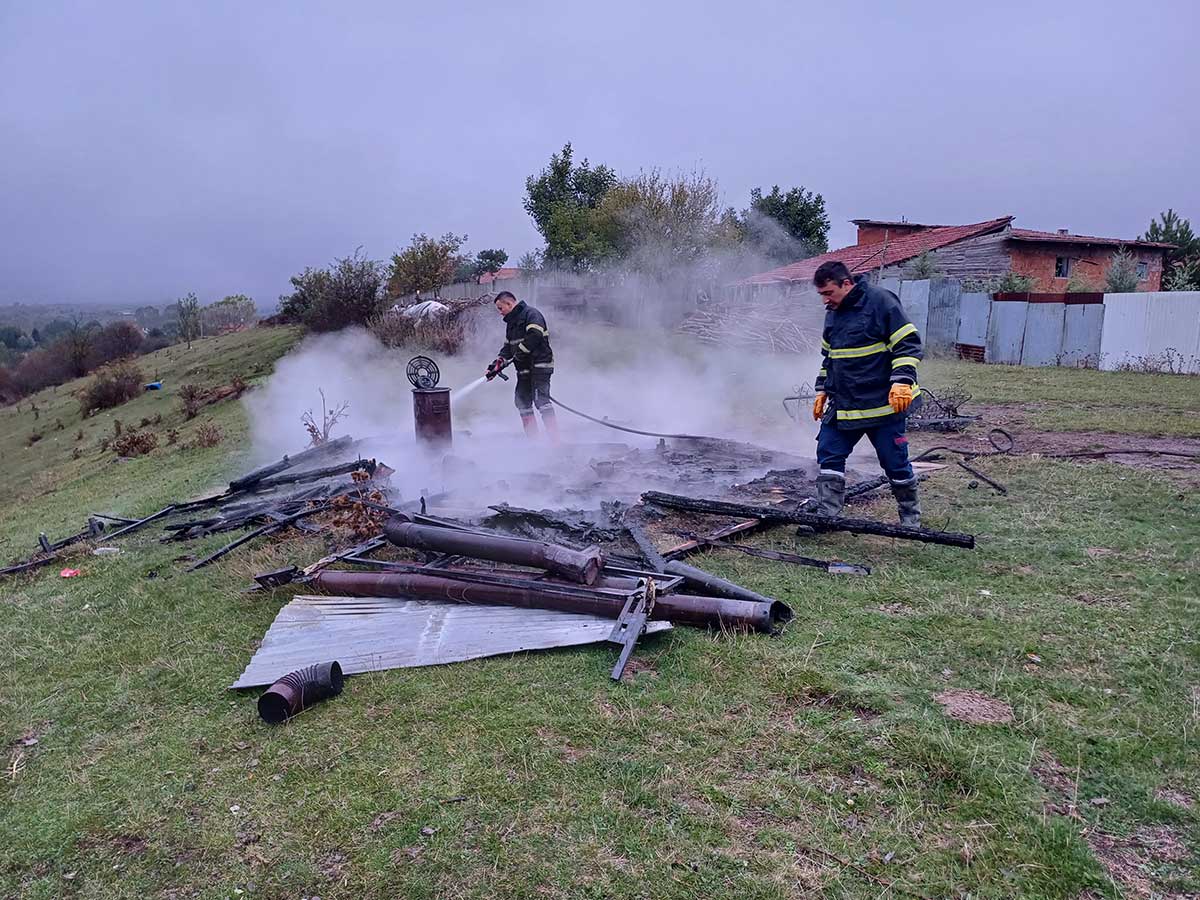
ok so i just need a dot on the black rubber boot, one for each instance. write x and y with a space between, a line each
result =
831 495
907 502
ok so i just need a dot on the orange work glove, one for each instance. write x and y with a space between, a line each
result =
900 397
819 406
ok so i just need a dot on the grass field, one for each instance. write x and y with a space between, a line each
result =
729 766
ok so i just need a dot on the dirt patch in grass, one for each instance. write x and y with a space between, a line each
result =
896 609
636 667
1059 783
1132 861
1089 599
974 707
333 865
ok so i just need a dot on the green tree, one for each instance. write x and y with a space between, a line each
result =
562 200
1169 228
189 318
489 262
530 261
10 336
349 292
1184 277
234 311
787 226
659 224
425 264
1121 277
925 266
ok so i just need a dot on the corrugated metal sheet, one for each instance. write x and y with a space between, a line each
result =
1082 327
1043 334
973 313
1147 327
1006 332
369 634
942 326
914 297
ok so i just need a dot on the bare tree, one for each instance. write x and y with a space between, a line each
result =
319 434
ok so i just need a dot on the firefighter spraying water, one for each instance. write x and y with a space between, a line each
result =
527 347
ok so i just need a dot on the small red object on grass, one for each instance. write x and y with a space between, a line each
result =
69 573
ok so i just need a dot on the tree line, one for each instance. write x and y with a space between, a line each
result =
61 349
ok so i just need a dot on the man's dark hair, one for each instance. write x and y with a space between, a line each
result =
833 270
509 294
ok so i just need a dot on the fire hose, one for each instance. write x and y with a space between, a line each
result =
494 371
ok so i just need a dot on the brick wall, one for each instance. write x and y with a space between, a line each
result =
1038 262
873 234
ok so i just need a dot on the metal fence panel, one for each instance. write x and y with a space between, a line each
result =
1152 330
914 297
942 326
1043 339
974 310
1082 326
1006 332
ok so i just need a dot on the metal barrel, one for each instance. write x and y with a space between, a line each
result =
719 612
582 566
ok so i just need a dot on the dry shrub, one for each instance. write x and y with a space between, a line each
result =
192 397
79 435
76 453
238 383
33 438
58 425
117 427
145 421
111 387
135 443
447 333
172 437
208 435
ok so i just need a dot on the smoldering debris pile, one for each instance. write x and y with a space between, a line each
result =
434 578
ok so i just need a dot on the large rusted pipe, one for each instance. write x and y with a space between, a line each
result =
582 566
719 612
706 581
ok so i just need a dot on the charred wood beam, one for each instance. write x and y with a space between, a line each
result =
369 465
582 566
257 532
997 486
583 530
828 523
134 526
698 543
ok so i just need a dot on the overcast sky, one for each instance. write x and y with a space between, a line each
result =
147 150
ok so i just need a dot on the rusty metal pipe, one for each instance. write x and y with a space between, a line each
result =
582 566
719 612
299 690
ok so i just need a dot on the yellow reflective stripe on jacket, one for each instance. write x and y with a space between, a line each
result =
904 361
876 412
824 344
537 328
853 352
521 346
902 332
822 374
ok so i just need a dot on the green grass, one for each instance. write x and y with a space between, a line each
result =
1053 399
712 774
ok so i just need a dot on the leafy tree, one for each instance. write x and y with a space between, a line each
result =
36 336
1121 277
787 226
55 328
465 269
425 264
489 262
234 311
189 318
114 341
562 200
1169 228
1079 283
658 223
349 292
10 336
925 266
147 316
530 261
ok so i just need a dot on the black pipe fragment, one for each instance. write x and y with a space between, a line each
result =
299 690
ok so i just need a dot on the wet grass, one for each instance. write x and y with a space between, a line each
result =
728 766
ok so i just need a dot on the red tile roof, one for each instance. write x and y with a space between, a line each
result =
501 275
872 256
1057 237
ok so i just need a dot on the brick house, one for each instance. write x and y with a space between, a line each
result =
982 249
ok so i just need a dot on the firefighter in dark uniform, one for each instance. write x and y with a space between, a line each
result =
527 345
866 385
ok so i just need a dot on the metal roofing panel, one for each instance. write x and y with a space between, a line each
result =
369 634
